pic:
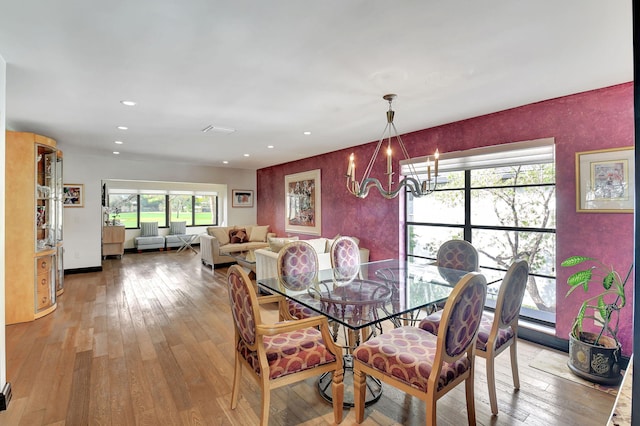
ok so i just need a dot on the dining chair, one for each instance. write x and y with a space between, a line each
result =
345 259
500 330
279 354
297 268
423 364
457 254
345 263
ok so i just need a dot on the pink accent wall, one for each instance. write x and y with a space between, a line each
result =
597 119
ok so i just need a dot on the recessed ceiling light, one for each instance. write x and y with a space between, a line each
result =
270 146
116 152
123 128
118 142
225 162
307 133
128 103
246 155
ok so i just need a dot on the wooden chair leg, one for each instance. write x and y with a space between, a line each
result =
237 373
266 401
430 409
471 403
491 382
514 364
337 392
359 389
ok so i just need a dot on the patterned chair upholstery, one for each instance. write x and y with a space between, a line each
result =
457 254
297 268
422 364
345 259
279 354
499 331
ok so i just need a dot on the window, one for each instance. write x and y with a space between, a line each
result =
205 210
153 208
196 210
507 211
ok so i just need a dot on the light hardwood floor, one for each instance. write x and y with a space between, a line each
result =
149 341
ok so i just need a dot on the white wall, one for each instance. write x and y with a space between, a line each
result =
3 119
82 226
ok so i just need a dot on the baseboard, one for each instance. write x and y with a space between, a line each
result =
83 270
5 396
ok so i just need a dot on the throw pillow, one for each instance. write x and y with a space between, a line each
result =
148 229
276 244
220 233
237 236
259 233
318 244
177 228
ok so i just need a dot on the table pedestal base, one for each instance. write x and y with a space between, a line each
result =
374 386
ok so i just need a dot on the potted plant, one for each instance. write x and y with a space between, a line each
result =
596 356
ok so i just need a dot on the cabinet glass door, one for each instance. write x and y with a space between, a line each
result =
45 197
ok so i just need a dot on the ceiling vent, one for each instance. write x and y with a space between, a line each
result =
218 129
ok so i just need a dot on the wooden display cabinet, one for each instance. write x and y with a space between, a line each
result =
33 226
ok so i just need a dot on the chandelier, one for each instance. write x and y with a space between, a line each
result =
412 182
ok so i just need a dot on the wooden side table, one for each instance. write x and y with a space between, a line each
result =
112 241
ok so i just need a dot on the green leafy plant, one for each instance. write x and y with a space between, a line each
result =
604 308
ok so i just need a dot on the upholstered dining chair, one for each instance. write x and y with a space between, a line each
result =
297 268
423 364
499 331
345 259
279 354
345 263
457 254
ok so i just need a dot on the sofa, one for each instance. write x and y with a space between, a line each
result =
219 241
266 258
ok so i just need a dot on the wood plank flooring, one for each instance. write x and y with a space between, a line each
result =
148 341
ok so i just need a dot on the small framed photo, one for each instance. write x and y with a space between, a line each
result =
605 180
73 195
241 198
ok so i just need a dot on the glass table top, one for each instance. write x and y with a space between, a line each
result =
380 290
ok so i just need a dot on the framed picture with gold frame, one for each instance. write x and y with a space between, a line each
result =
605 180
303 203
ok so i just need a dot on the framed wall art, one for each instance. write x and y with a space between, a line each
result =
73 195
241 198
303 209
605 180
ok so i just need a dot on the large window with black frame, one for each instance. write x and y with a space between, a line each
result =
502 200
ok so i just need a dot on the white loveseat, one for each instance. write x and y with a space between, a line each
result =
217 242
266 258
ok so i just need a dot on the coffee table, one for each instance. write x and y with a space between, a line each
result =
246 259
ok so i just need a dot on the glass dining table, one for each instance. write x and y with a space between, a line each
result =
377 292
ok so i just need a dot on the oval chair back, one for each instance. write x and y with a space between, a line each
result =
458 254
345 259
297 268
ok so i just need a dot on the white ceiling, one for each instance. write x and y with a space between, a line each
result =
274 69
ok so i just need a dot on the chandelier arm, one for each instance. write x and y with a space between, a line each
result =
367 171
410 183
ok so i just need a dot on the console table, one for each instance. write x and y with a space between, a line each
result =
112 241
